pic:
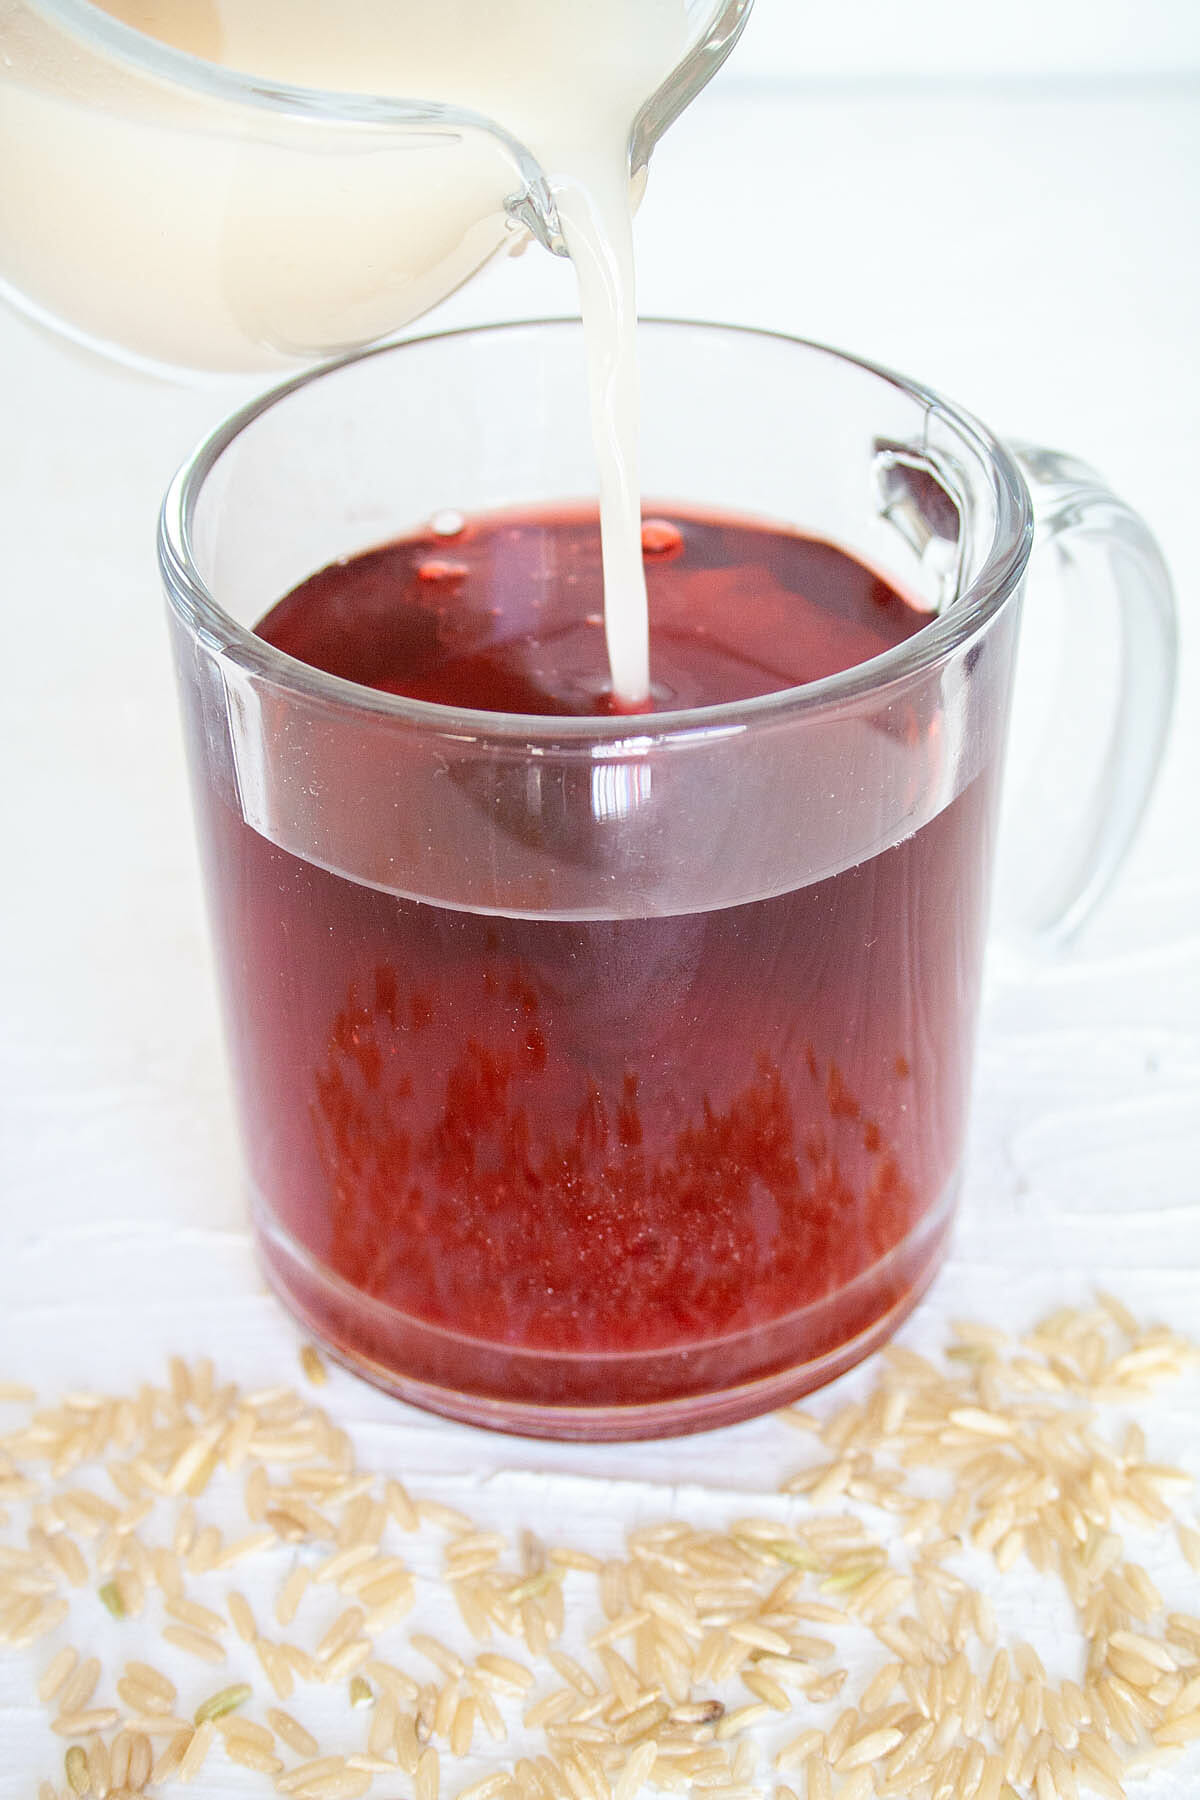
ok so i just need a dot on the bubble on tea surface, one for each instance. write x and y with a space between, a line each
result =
661 539
447 523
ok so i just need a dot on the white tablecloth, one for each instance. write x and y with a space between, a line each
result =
1030 251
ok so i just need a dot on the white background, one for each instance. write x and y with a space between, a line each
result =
796 40
1029 246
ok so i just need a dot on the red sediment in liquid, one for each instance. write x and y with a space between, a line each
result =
602 1162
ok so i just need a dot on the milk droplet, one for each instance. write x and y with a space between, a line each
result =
441 573
661 539
447 523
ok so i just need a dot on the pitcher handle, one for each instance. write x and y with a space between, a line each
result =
1099 635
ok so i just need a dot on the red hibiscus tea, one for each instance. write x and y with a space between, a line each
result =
617 1173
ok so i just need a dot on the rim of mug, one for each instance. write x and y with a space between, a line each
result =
997 579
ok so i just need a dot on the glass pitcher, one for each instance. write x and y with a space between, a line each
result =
166 207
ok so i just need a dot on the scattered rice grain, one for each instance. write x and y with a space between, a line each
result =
56 1673
818 1781
85 1722
427 1776
800 1749
197 1751
79 1687
195 1643
305 1774
871 1747
347 1660
295 1735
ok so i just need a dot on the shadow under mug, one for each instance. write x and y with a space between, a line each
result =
608 1077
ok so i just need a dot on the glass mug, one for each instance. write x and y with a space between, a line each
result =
461 950
178 213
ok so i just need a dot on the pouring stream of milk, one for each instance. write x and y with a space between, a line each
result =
597 227
566 78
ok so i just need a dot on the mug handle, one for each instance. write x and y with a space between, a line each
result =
1095 685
